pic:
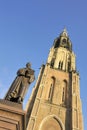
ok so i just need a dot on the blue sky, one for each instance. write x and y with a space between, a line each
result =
27 31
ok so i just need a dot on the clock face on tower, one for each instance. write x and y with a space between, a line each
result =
64 41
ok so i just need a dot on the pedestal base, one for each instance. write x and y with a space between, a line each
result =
12 117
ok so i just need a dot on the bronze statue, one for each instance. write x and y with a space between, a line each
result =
17 91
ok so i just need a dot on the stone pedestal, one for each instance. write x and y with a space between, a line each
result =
12 117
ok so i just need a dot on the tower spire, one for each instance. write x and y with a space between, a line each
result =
63 41
64 32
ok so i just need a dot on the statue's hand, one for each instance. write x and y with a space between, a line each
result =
32 78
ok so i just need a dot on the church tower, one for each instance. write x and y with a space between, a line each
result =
55 102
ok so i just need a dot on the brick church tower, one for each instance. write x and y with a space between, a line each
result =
55 102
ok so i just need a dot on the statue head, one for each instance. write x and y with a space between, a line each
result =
28 65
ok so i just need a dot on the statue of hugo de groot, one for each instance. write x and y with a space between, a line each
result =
17 91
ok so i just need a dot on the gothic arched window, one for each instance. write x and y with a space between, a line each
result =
60 65
52 63
64 92
51 90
